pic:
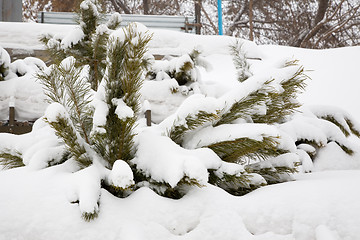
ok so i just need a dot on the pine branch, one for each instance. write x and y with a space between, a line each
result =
332 119
194 55
114 22
126 65
280 105
354 130
293 62
52 84
192 122
53 47
89 216
342 121
97 62
271 175
242 149
311 142
119 143
346 125
67 133
164 189
272 170
123 81
133 67
65 85
240 61
3 70
244 108
183 76
78 99
88 14
177 192
9 160
237 185
91 49
345 148
118 191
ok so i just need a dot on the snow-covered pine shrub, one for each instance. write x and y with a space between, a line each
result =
339 117
239 128
69 114
21 67
4 63
98 128
184 69
87 42
317 126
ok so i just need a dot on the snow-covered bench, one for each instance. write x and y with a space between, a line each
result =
177 23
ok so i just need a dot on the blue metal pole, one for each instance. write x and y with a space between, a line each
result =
220 18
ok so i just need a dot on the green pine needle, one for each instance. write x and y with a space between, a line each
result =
332 119
125 68
192 122
67 87
65 131
311 142
8 160
351 125
90 216
52 84
271 175
97 61
244 108
179 190
240 61
346 149
242 149
281 105
239 184
3 70
88 15
344 128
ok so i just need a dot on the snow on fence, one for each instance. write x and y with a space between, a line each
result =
13 126
177 23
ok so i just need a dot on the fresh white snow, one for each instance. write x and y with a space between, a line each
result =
37 205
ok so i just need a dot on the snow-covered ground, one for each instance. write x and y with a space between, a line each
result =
323 205
334 73
319 206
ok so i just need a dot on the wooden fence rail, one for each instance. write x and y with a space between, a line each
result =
177 23
13 126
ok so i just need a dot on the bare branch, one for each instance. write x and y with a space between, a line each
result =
215 29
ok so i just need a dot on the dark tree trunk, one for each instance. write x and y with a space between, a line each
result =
198 16
316 27
146 7
251 26
323 6
119 5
